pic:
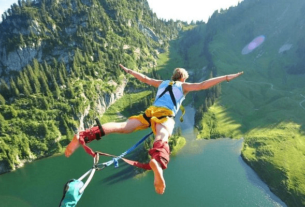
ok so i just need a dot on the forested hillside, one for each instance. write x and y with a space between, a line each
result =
59 68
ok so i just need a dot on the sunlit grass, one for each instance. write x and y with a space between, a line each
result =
119 110
181 141
218 124
283 147
263 106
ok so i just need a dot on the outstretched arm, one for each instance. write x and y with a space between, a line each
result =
188 87
141 77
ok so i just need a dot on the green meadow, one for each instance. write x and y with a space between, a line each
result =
263 106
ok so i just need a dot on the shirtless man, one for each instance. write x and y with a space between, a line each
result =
159 117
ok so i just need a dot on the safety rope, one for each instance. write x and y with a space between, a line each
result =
115 159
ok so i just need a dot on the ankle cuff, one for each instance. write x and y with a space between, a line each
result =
98 137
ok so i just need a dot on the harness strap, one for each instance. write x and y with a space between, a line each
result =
149 118
183 112
98 137
86 148
130 162
160 152
169 89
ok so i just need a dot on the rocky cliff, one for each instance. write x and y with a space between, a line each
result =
101 105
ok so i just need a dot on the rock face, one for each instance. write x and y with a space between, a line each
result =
12 31
103 103
148 32
51 34
106 101
16 60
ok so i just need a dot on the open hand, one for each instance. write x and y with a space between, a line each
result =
232 76
124 68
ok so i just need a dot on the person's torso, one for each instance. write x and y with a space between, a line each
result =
167 100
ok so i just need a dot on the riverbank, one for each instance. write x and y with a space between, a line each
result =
211 170
274 151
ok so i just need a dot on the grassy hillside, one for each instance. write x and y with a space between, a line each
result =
266 101
266 105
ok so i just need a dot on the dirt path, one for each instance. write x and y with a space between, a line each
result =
272 88
301 102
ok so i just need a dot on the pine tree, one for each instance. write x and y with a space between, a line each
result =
2 100
55 63
44 104
63 70
25 84
70 92
19 85
56 91
47 70
21 40
60 78
33 79
14 89
4 89
36 67
43 82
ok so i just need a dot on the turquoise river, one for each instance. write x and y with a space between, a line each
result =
207 173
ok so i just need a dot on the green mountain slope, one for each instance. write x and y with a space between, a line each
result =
59 68
265 105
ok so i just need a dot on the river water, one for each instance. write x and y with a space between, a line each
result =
204 173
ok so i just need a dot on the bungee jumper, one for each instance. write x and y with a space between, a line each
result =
159 116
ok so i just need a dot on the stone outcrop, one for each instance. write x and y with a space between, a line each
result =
148 32
103 103
16 60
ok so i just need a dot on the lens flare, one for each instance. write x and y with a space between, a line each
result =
253 44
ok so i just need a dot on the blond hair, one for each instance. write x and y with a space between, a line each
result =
179 73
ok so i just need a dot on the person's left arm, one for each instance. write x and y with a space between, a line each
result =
188 87
141 77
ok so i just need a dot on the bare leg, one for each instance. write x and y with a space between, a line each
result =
159 182
121 127
124 127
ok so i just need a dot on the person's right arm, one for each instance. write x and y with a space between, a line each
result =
141 77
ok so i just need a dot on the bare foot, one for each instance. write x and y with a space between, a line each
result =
158 172
74 144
